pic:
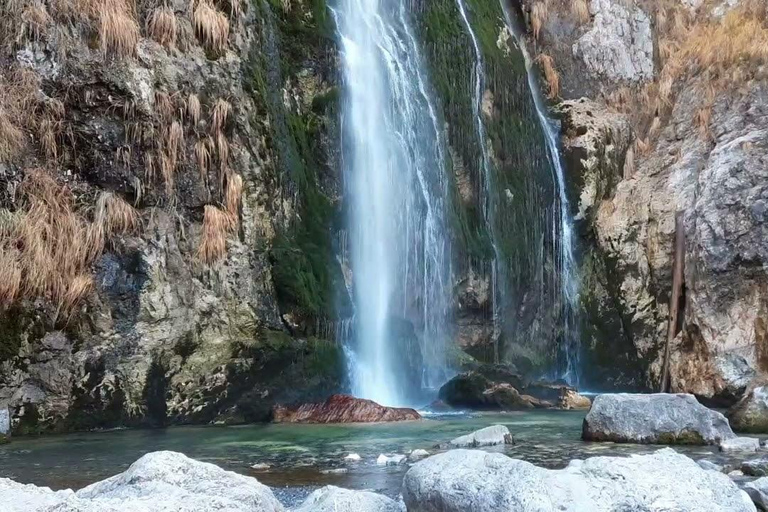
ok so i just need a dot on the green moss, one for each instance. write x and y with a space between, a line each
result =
276 340
304 270
684 437
11 334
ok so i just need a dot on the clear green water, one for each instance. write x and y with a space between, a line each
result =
298 455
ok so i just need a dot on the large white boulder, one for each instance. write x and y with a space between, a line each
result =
336 499
659 418
157 482
476 481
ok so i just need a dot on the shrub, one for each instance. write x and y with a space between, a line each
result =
162 26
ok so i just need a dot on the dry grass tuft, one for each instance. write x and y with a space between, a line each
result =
220 115
203 157
164 106
114 215
551 75
213 242
222 152
162 26
34 21
211 26
194 109
10 274
11 137
118 29
580 11
234 193
539 15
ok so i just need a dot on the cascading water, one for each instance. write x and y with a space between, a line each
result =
394 168
566 263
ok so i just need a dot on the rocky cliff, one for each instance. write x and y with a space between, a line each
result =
664 111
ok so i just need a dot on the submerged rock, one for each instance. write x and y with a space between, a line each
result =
709 465
336 499
758 492
353 457
390 460
343 409
654 419
740 444
476 481
755 467
750 414
157 482
488 436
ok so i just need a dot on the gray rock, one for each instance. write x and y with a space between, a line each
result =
475 481
488 436
750 414
758 491
336 499
740 444
755 467
654 419
390 460
709 465
619 45
157 482
417 455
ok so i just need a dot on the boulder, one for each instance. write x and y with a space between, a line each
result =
750 414
353 457
336 499
417 455
390 460
157 482
488 436
755 467
758 491
476 481
571 399
343 409
654 419
740 444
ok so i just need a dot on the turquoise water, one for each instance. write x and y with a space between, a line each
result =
300 456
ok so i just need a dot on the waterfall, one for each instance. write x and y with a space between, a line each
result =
395 180
566 263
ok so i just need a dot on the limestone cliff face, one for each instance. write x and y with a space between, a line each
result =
656 140
181 319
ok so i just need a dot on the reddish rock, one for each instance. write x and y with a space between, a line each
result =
342 409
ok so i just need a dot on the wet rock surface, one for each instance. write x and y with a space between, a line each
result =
336 499
475 481
750 414
343 409
488 436
654 419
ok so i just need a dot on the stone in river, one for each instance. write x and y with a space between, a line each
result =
488 436
390 460
740 444
477 481
750 414
5 425
654 419
157 482
343 409
353 457
758 491
755 467
336 499
417 454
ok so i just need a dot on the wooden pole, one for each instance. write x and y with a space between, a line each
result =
678 279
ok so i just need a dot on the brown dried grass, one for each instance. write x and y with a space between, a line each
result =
203 157
220 115
213 243
118 29
539 15
551 75
580 11
162 26
114 215
211 26
194 109
233 195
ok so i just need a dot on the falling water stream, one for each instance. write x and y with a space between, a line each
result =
566 262
394 165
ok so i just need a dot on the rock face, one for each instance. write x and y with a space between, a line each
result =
619 45
343 409
488 436
5 425
740 444
474 481
158 481
336 499
654 419
496 387
750 414
755 467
